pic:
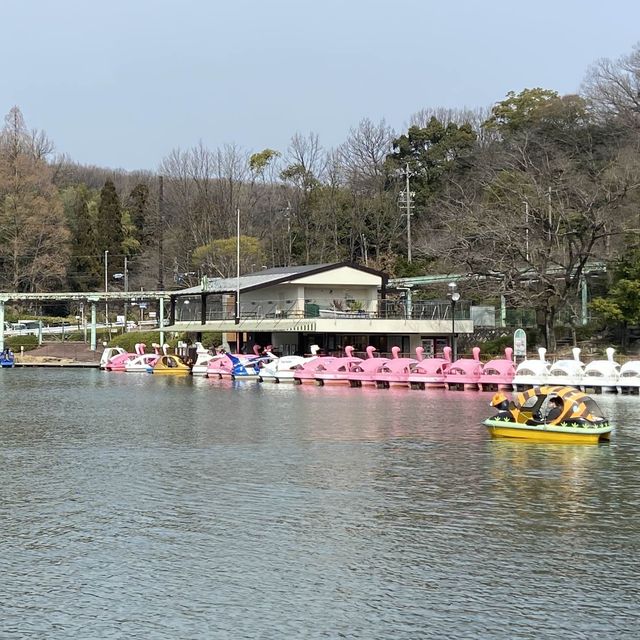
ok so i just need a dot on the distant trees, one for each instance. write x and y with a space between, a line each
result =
203 190
540 204
622 303
613 88
372 214
431 152
526 195
219 256
33 235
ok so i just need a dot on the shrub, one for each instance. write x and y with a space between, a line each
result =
16 342
496 346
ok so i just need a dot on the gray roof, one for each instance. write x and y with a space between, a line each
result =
256 280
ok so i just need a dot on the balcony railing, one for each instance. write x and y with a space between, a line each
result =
386 309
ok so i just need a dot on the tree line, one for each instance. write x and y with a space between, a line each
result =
528 196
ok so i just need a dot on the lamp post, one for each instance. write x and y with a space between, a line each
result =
125 279
455 296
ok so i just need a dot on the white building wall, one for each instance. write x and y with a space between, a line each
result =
293 297
345 276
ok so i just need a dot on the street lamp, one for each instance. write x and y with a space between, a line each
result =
455 296
125 279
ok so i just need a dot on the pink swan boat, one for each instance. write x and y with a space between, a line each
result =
498 374
203 358
363 374
464 373
108 353
336 371
118 362
395 373
306 373
143 362
430 372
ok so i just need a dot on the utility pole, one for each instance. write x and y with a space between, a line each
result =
126 288
106 286
160 233
237 319
408 217
405 201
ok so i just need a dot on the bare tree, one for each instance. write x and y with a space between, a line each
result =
33 234
375 220
613 87
533 219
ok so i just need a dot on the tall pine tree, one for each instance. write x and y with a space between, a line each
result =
109 231
138 207
85 264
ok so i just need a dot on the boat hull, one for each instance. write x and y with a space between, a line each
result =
163 371
588 434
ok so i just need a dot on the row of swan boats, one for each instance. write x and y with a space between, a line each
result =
384 372
527 416
159 361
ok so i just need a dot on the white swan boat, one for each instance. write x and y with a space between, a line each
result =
601 376
282 369
203 357
629 379
531 373
567 373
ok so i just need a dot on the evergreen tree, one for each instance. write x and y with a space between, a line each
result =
109 223
84 265
138 208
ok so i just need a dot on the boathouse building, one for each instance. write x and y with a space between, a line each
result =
330 305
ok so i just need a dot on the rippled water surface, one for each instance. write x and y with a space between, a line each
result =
135 506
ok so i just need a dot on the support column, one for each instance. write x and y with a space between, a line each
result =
161 311
409 303
1 325
584 296
503 311
93 327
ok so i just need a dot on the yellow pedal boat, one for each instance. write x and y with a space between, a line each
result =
549 414
170 365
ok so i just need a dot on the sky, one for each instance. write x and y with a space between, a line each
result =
122 84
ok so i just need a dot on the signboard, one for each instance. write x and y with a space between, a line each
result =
519 343
142 305
119 319
152 315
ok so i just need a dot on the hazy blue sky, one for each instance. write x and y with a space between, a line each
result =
122 83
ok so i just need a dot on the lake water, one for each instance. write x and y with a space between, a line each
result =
135 506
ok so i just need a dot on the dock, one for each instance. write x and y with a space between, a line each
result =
59 364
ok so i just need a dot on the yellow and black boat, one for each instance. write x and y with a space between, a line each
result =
170 365
549 414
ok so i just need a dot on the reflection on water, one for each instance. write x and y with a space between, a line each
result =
142 507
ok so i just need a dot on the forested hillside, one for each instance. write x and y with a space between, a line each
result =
526 195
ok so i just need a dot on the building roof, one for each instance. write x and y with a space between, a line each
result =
267 278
